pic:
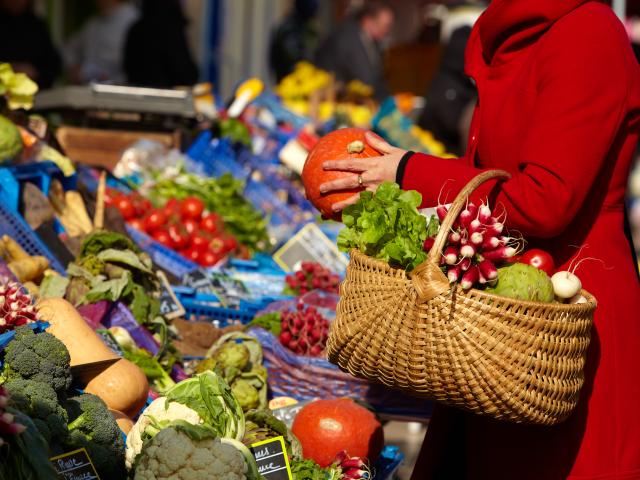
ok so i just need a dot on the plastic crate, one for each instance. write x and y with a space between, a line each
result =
202 305
162 256
214 157
12 224
41 174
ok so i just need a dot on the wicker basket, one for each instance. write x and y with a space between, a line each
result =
509 359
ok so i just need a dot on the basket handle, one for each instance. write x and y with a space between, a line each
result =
428 279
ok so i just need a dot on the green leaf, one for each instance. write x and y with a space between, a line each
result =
53 286
108 290
126 257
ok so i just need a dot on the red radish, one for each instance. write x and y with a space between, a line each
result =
484 214
441 211
453 274
454 238
474 226
285 337
316 351
467 251
476 239
499 254
495 229
465 264
490 243
450 255
467 215
488 269
470 277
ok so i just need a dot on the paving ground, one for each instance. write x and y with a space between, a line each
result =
407 436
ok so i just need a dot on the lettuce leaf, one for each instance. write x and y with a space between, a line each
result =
386 225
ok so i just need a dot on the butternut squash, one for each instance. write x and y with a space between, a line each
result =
124 422
122 386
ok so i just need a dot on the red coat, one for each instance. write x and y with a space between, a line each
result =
559 103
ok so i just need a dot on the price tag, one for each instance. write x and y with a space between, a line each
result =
272 459
199 280
310 244
170 306
75 465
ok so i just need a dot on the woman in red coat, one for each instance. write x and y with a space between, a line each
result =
559 103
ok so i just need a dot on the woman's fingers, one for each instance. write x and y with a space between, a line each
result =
350 165
378 143
339 206
343 183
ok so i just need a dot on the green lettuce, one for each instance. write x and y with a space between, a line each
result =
386 225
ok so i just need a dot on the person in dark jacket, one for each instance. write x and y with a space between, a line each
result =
156 52
353 51
450 92
25 43
295 38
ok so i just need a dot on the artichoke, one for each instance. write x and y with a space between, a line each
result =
523 282
262 425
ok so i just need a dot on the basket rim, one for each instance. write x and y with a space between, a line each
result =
568 307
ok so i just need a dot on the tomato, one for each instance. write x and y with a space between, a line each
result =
217 246
155 220
539 259
142 205
190 225
110 195
125 205
192 254
179 236
163 237
209 258
230 243
172 207
192 207
137 223
200 240
210 222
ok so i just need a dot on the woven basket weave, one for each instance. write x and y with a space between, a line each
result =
509 359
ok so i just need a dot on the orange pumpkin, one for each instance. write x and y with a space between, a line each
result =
326 427
338 145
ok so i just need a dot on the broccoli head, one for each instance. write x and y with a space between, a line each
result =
40 357
93 427
39 401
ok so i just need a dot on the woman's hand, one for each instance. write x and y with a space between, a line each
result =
368 172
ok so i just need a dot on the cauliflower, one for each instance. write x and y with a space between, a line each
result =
157 411
176 455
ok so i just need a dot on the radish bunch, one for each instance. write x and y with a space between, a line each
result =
8 426
351 467
304 331
474 246
16 307
312 276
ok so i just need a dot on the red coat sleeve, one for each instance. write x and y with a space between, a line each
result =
583 80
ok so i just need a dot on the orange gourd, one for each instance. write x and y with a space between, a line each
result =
338 145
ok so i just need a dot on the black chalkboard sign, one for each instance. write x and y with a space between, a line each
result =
75 465
199 280
272 459
170 306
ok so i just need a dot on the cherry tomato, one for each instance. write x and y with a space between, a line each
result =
200 240
179 236
192 207
125 205
172 207
190 225
163 237
209 258
137 223
539 259
217 246
154 221
211 222
142 206
192 254
110 195
230 243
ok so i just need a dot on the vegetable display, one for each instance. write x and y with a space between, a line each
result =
340 144
304 330
222 196
311 276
